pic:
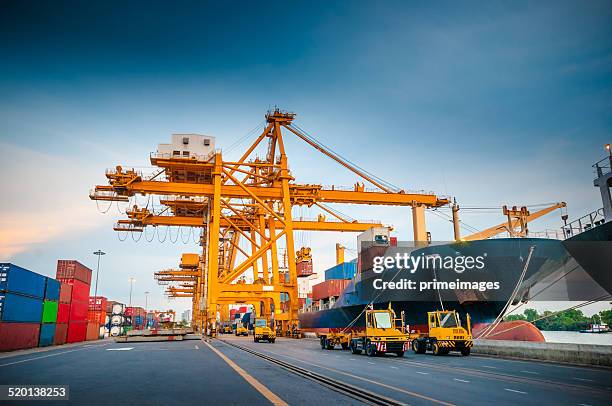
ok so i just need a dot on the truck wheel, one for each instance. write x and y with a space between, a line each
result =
322 342
344 346
370 350
354 349
256 340
418 347
436 348
328 344
272 340
400 354
465 351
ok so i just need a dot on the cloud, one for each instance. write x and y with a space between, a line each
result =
43 197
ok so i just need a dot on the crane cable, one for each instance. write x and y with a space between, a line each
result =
337 155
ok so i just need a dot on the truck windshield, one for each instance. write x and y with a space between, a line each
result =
448 320
383 320
260 323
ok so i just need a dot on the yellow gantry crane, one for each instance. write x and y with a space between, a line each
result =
250 200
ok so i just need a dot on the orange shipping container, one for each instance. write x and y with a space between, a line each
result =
332 287
96 316
93 331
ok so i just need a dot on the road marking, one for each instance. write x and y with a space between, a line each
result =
583 379
393 367
530 372
275 400
489 366
196 347
120 349
352 359
371 363
516 391
583 404
44 356
460 380
422 373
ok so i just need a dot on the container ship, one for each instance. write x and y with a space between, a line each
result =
569 268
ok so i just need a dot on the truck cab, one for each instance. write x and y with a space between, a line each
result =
384 333
263 331
445 334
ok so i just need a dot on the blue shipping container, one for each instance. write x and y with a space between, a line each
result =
47 333
18 280
20 308
52 289
345 270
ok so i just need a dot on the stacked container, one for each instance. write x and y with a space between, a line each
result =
117 320
63 314
49 314
345 270
21 306
330 288
79 277
96 317
137 317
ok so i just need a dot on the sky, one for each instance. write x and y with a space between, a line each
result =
492 103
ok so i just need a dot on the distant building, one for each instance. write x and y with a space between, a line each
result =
186 316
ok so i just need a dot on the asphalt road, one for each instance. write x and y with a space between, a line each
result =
190 372
451 379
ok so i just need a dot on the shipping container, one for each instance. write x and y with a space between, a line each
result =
97 303
49 314
80 290
65 293
118 308
18 308
17 336
345 270
77 331
15 279
47 334
333 287
52 289
78 311
93 331
242 309
304 268
96 316
70 269
61 331
63 313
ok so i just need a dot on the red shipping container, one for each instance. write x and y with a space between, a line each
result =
61 330
129 311
80 290
65 293
77 331
70 269
332 287
96 316
63 312
304 268
242 310
78 311
93 331
301 301
17 336
97 303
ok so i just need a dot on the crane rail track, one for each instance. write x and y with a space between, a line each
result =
334 384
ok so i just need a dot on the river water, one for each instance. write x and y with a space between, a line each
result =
576 337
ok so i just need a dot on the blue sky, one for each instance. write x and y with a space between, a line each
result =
493 103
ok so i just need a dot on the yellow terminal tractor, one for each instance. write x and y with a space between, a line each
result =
384 333
241 330
263 331
445 334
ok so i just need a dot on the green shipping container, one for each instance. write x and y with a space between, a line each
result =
49 311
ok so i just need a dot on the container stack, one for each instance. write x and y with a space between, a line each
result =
328 289
345 270
96 317
63 314
79 277
49 314
137 317
117 319
21 306
152 320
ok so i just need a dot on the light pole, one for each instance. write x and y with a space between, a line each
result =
99 253
131 280
146 301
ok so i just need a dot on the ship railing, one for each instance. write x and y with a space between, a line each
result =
548 233
584 223
603 167
191 157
